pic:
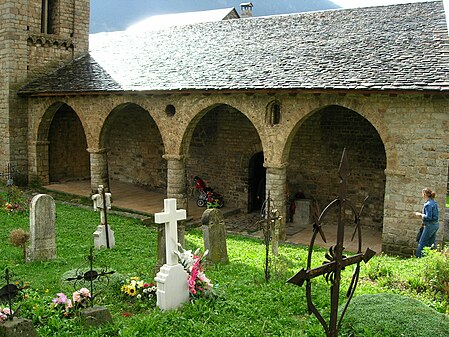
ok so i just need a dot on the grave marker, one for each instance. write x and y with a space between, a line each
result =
214 234
172 287
42 228
104 235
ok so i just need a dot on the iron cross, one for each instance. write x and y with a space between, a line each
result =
336 260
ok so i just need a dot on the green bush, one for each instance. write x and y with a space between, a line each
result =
390 315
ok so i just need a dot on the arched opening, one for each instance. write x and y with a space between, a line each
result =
256 182
315 155
67 151
220 147
135 148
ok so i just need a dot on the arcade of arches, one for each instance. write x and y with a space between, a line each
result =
237 141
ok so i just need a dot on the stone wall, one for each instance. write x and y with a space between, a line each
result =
135 148
222 145
68 157
315 158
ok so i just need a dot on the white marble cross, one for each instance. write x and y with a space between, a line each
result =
170 217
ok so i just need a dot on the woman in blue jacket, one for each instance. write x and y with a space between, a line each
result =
430 221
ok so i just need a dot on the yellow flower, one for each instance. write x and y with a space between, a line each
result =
132 291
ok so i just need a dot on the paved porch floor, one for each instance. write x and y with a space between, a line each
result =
134 198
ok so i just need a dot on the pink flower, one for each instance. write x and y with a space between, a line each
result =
6 311
76 296
61 299
84 292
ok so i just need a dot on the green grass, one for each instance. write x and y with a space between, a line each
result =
447 201
246 305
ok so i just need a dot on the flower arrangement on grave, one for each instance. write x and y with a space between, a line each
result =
5 313
80 299
139 289
199 284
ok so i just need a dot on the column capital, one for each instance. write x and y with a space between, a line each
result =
279 166
94 150
174 157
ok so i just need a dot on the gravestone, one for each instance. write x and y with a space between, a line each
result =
172 288
302 217
42 229
17 327
214 234
95 316
104 235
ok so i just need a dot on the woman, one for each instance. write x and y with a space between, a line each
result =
429 217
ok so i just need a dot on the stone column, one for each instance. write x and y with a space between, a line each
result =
176 179
99 173
277 186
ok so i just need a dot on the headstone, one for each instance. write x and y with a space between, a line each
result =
302 217
104 235
95 316
172 288
214 234
17 327
42 228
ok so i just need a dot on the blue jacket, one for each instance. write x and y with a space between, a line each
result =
430 212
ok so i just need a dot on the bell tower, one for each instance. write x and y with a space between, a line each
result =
36 37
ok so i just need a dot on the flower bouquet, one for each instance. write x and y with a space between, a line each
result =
139 289
199 284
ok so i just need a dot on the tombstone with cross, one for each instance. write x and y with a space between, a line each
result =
172 288
104 235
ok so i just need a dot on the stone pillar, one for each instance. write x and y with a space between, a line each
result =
176 179
99 173
277 187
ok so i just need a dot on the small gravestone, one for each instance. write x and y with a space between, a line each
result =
172 288
104 235
214 233
42 229
95 316
302 217
17 327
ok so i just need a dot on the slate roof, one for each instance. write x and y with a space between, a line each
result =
387 48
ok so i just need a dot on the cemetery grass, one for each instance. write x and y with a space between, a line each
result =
245 305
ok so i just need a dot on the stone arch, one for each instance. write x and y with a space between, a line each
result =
62 145
314 152
134 147
219 143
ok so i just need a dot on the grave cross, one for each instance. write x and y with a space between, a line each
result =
8 293
336 261
170 218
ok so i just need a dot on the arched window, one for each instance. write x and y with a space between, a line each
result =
273 114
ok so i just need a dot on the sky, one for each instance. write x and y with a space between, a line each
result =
117 17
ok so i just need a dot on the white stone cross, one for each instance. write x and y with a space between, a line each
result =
99 203
170 217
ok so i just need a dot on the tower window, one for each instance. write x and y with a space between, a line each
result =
49 16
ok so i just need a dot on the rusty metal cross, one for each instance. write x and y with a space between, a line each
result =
336 260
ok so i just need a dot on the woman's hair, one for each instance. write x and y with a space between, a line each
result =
428 192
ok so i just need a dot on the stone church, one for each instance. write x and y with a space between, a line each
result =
235 102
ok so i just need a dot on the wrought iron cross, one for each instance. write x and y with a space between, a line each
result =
8 292
336 260
90 276
268 223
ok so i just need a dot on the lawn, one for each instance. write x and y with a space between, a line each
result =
245 305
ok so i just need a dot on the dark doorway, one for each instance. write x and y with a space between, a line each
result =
256 182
